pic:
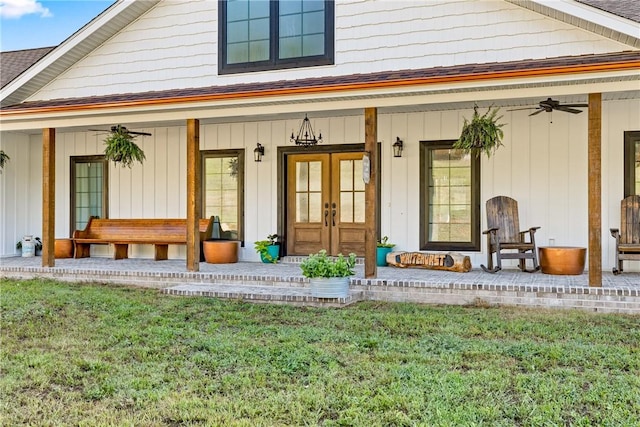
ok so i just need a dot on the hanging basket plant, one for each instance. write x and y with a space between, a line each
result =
120 147
4 158
482 133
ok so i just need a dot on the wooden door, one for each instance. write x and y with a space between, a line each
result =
325 203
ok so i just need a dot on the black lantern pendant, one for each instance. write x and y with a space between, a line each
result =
306 137
258 152
397 147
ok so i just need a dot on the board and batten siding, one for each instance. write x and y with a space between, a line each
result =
175 44
543 165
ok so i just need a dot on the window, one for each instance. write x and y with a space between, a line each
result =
258 35
631 163
223 190
89 195
450 198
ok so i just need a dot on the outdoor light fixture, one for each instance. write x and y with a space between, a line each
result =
306 137
397 147
258 152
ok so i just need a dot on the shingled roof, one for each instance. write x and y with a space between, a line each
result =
16 62
628 9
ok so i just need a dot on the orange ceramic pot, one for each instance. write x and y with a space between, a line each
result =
220 251
63 248
562 260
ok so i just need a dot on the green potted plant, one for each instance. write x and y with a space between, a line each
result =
383 248
269 249
482 133
120 147
328 276
4 158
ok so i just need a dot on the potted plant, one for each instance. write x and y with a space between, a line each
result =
32 246
383 248
4 158
120 147
328 276
482 133
269 249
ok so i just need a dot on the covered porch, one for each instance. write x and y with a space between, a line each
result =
283 283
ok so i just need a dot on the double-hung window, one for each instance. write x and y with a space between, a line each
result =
258 35
450 198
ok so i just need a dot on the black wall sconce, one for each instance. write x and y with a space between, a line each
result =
258 152
397 147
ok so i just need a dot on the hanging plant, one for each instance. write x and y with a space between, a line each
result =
4 158
482 133
120 147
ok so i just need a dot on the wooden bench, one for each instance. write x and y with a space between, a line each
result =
124 232
628 235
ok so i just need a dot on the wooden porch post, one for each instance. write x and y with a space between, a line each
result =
595 189
48 196
370 192
193 194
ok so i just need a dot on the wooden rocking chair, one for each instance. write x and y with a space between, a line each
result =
504 235
628 236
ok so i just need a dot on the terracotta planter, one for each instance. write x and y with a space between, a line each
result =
220 251
63 248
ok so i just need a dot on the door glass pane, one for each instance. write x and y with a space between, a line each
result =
309 191
346 175
346 207
358 208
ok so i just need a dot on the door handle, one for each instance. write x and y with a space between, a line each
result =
333 218
326 214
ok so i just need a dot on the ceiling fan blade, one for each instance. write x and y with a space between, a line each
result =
567 109
525 108
139 133
574 105
537 112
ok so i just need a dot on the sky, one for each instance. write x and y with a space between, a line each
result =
28 24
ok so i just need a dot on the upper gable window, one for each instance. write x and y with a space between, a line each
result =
258 35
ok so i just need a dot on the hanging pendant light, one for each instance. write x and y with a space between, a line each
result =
306 137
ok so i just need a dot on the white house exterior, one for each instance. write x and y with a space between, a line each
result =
153 65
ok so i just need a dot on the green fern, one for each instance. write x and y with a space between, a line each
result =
482 133
120 148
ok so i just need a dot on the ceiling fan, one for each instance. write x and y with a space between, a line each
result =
551 104
121 129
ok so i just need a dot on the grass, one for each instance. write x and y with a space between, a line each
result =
95 355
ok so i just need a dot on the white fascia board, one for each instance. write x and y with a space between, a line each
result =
620 81
596 16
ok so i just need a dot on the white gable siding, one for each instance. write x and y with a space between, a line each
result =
175 44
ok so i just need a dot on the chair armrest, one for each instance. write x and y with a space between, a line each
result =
491 230
615 233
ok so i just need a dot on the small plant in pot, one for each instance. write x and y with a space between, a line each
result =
37 245
482 133
383 248
269 249
328 276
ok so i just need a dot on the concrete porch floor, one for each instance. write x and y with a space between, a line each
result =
284 283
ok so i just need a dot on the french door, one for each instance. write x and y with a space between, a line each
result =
325 203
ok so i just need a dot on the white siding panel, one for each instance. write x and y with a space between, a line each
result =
175 44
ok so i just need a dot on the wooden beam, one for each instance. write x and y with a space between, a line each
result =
193 195
595 189
371 192
48 196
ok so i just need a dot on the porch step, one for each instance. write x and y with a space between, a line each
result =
266 294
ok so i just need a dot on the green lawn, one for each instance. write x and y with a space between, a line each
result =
94 355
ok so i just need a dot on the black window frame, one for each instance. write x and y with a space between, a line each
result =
274 63
474 244
630 156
